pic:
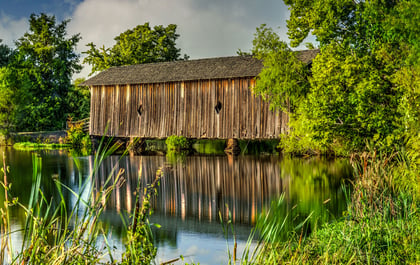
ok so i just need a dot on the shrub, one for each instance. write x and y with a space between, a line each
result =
76 137
176 143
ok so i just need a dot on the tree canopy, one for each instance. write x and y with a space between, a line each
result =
5 54
37 76
142 44
362 87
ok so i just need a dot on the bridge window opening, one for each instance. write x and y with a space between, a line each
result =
218 107
140 109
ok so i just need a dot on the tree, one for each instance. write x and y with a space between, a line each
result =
6 103
363 86
79 100
7 96
5 54
283 80
141 44
48 59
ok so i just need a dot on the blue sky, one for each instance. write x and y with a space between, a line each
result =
24 8
207 28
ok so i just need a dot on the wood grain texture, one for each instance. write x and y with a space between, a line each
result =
184 108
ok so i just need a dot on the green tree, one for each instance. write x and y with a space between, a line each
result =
142 44
6 103
363 85
7 95
78 99
13 86
5 54
283 80
48 58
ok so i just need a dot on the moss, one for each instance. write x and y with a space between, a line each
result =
209 147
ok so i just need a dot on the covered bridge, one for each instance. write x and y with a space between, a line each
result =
205 98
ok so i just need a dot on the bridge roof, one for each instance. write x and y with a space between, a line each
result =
201 69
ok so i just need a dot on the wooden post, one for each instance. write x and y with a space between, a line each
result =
233 147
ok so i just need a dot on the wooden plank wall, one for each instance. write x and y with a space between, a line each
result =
184 108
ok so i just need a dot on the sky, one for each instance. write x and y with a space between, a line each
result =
207 28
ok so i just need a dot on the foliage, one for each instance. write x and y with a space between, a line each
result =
7 99
139 246
29 146
176 143
7 103
36 78
77 137
5 54
48 58
57 233
54 232
364 83
142 44
381 225
78 99
283 80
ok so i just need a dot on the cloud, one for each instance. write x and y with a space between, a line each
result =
12 29
207 28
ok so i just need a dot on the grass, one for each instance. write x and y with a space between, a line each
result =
28 146
381 225
58 233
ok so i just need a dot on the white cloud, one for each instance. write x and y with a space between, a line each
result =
12 29
206 28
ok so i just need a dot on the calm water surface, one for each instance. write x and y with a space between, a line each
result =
192 193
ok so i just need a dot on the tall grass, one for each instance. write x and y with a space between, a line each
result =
381 225
58 233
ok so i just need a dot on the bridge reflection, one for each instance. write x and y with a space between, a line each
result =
199 186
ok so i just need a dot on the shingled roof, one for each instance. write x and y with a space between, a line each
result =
201 69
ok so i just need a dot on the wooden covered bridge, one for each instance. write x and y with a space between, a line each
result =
205 98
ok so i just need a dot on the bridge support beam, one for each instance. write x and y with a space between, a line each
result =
232 147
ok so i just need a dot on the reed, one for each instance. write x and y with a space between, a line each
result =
58 233
380 226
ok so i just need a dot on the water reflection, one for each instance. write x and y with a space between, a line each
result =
193 191
197 189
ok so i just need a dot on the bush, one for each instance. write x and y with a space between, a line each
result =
176 143
76 137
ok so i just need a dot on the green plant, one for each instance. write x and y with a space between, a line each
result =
142 44
176 143
381 225
226 225
29 146
55 233
139 247
77 137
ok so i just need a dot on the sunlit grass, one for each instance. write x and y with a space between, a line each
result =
28 146
381 225
55 232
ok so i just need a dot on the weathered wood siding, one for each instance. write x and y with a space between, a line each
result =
184 108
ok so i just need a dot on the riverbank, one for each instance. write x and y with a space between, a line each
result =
380 226
46 137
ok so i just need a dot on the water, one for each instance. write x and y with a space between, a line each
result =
193 194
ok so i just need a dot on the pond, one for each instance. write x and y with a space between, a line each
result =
194 192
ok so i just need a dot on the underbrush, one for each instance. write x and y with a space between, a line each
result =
77 138
58 232
381 224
